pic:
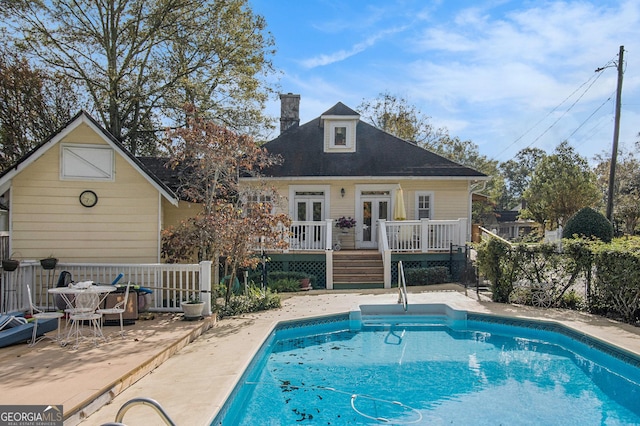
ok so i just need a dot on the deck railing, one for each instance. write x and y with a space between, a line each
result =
425 235
402 236
167 285
310 235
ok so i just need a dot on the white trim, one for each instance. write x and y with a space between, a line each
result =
329 136
341 117
159 237
431 195
395 179
390 187
81 119
103 163
326 189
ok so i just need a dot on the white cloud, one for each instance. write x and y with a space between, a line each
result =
488 72
341 55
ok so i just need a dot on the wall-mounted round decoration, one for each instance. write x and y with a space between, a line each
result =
88 198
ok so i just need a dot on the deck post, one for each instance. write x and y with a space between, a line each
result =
328 245
205 286
328 254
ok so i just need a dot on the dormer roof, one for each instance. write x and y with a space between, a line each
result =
340 109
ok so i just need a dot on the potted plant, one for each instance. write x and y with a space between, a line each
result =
49 262
192 308
10 264
345 223
305 283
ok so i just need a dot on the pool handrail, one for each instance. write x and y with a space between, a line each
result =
402 287
141 401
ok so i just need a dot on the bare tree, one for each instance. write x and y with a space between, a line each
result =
141 61
233 219
33 104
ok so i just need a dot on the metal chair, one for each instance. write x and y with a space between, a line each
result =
86 305
64 280
40 315
118 309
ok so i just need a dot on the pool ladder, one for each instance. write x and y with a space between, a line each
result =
141 401
402 287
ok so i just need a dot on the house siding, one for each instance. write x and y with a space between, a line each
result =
173 215
451 197
47 218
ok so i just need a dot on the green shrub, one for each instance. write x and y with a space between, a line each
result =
588 223
253 301
499 264
274 276
284 285
427 276
617 282
571 300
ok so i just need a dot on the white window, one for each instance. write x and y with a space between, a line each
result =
340 135
253 199
424 205
87 162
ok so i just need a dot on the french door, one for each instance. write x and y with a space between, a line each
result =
308 209
372 209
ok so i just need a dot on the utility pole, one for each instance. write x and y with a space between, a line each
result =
616 133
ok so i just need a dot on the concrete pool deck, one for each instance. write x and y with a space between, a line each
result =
192 380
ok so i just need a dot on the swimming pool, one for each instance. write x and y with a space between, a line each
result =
435 365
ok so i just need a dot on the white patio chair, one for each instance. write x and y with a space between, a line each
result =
118 309
40 315
86 305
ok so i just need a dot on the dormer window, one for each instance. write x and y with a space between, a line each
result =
339 123
339 135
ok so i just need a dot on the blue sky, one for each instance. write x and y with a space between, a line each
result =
505 74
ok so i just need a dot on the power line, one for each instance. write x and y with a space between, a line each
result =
589 117
595 75
564 113
593 130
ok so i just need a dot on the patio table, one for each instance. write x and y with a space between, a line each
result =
71 294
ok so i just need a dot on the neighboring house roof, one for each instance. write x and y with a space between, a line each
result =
510 216
378 153
80 118
507 215
158 167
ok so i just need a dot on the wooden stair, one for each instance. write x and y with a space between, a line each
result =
357 269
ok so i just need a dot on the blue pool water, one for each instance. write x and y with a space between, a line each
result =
480 370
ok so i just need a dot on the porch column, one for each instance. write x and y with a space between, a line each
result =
463 232
329 243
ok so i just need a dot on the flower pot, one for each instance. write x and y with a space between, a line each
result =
192 310
49 263
10 264
305 284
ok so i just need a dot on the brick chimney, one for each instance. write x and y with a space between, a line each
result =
289 111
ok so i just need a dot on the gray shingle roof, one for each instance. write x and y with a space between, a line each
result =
340 109
377 154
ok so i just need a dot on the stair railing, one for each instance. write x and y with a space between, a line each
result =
402 287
